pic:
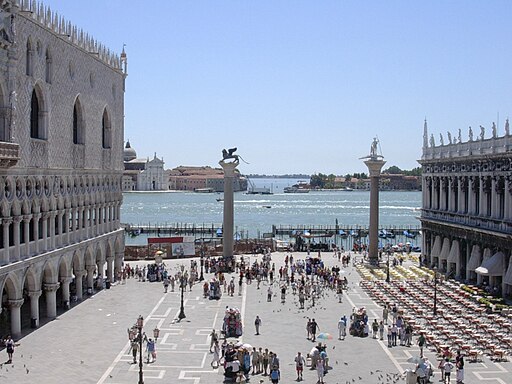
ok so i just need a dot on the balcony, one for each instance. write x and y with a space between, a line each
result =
475 222
9 154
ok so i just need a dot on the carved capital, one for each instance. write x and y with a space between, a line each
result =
66 280
15 303
80 274
7 221
51 287
34 294
46 215
17 219
36 216
27 218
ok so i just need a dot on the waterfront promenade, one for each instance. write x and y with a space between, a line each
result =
89 343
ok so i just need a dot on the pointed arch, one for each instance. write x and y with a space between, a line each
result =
78 122
4 118
106 128
38 114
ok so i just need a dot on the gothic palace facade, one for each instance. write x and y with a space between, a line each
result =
61 164
467 207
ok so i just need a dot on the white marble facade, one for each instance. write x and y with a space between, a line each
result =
467 206
61 164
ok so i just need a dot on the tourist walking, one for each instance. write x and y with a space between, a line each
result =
320 370
9 347
213 338
375 328
385 314
314 327
135 348
448 368
266 361
275 375
257 324
381 330
342 328
459 364
216 355
299 365
151 350
269 293
166 284
421 343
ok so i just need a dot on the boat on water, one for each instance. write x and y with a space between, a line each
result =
220 199
253 190
204 190
295 189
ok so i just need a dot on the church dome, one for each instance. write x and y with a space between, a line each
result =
129 152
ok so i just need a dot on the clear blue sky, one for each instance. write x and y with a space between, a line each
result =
303 86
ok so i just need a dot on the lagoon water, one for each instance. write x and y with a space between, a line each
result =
255 214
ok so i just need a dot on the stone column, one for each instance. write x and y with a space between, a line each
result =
110 269
26 235
50 290
60 216
228 222
460 196
374 165
6 222
52 229
37 217
69 231
15 309
483 205
79 224
16 236
78 283
64 283
508 197
100 273
34 305
451 197
118 264
90 276
45 217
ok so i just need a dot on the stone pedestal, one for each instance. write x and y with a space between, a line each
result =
228 221
374 167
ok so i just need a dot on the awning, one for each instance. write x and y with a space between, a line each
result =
436 249
508 276
474 260
454 255
445 251
494 266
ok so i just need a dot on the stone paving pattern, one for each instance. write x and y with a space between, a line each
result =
89 343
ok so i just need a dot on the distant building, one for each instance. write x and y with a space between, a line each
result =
466 215
189 178
143 174
399 182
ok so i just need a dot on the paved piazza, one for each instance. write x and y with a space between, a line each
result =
89 343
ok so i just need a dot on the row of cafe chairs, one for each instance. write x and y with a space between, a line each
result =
461 322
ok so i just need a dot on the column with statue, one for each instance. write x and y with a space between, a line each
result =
374 161
228 163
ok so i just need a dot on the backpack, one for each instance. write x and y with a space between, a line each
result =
274 374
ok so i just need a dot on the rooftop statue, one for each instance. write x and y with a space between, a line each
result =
441 140
507 128
432 141
482 133
460 136
470 134
449 137
494 131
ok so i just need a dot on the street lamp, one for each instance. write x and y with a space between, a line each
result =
183 285
435 291
156 333
140 324
201 277
387 271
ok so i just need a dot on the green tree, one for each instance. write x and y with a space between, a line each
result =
393 170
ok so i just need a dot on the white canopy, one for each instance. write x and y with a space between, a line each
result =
474 260
454 255
436 248
494 266
508 276
445 251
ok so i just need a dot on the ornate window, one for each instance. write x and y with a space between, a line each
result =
35 121
106 131
78 125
